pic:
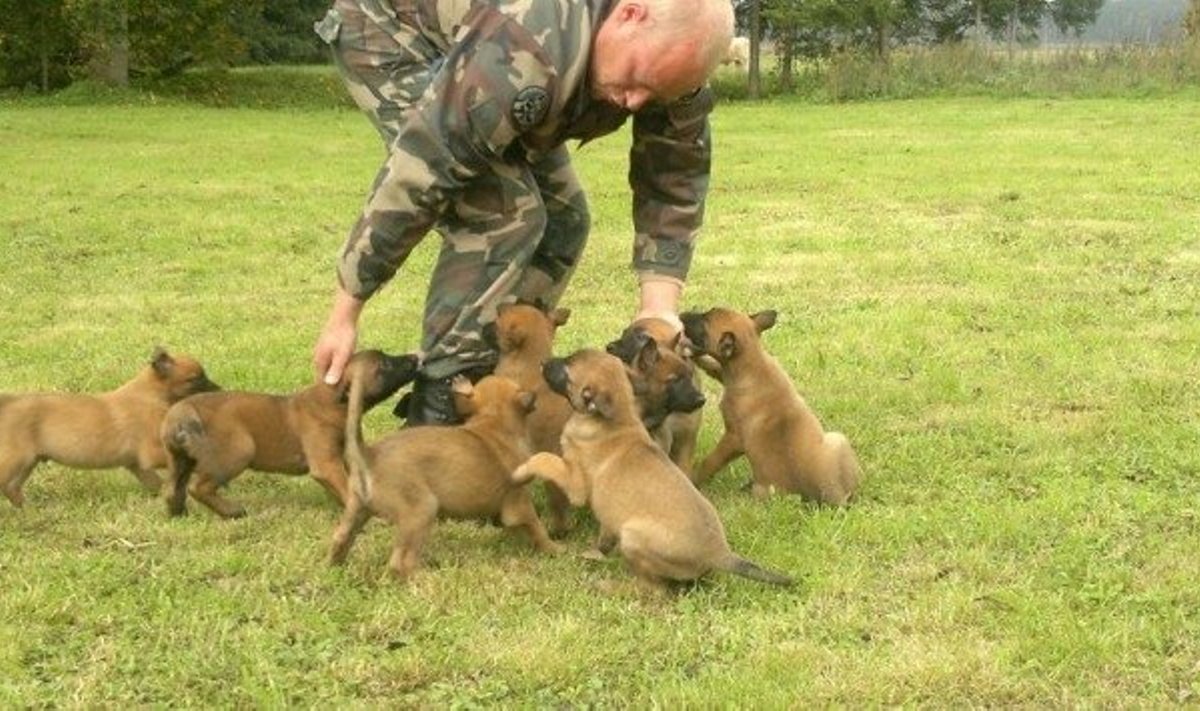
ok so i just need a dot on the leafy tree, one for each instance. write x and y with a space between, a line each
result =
879 24
1191 21
800 28
283 33
120 37
36 44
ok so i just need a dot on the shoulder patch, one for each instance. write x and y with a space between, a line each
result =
529 107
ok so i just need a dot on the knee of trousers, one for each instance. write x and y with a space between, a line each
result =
563 240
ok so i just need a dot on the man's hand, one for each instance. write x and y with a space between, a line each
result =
336 343
660 299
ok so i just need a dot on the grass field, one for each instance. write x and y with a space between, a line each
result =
997 300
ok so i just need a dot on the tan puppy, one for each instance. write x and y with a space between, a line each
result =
216 436
114 429
666 385
523 335
413 475
765 418
665 528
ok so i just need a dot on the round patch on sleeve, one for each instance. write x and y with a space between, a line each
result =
529 107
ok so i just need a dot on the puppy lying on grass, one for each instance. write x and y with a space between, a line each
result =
765 418
647 508
113 429
214 437
413 475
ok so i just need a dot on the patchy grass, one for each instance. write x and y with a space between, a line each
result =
997 301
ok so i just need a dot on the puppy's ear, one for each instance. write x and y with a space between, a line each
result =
560 316
626 347
162 362
764 320
727 347
676 344
601 405
598 403
527 399
647 355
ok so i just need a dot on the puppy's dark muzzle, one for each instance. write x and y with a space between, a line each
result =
695 330
688 400
397 371
555 373
205 385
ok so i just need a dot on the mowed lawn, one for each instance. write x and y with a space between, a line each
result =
998 301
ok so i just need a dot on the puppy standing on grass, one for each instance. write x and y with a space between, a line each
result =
523 335
216 436
666 385
413 475
114 429
665 529
765 418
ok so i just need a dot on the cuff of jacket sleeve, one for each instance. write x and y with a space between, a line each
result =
662 257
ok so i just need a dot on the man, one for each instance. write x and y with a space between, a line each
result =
475 101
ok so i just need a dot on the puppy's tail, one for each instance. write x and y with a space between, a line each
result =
355 457
749 569
182 432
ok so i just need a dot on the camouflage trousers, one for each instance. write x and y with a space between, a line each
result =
516 233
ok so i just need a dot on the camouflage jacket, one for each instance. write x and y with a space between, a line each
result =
513 85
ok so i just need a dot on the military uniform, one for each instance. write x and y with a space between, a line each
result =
475 101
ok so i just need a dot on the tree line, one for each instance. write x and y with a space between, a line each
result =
47 44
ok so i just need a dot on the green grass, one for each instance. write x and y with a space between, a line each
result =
997 300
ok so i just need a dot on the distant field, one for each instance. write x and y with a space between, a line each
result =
997 300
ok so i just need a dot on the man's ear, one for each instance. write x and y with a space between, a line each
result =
764 320
632 11
727 347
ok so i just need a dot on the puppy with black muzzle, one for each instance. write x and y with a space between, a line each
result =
666 385
523 335
646 506
113 429
214 437
765 418
414 475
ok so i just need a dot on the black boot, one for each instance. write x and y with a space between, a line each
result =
431 401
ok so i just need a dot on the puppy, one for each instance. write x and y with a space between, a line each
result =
666 385
114 429
665 529
765 418
216 436
413 475
523 335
